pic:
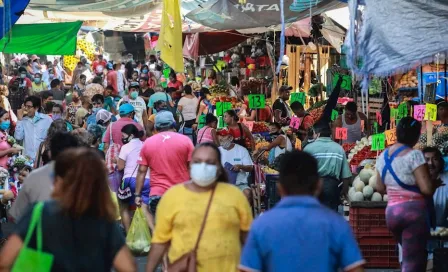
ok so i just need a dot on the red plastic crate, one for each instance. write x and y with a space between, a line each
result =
379 252
367 222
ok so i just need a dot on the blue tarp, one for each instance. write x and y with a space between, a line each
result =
10 12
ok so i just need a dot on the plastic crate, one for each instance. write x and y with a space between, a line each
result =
368 222
379 252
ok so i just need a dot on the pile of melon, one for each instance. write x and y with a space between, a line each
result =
364 187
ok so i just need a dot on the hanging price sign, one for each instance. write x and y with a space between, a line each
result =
346 81
379 118
402 110
341 134
222 107
391 136
295 122
431 112
299 97
419 112
201 122
257 101
334 115
378 142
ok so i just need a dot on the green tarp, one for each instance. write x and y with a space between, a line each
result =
42 39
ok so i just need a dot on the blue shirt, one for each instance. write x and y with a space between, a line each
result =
156 97
32 131
299 234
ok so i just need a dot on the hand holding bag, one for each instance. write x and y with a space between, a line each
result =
29 259
188 262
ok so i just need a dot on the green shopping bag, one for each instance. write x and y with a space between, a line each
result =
139 238
29 259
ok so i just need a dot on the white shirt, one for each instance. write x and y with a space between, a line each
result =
36 69
139 106
189 107
237 155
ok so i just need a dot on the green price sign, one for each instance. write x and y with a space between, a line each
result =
378 142
221 123
346 81
257 101
222 107
334 115
394 113
164 84
300 97
402 110
166 73
201 123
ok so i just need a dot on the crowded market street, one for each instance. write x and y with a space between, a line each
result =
223 135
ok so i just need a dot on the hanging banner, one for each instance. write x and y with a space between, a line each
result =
170 38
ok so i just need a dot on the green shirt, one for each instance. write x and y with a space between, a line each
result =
331 158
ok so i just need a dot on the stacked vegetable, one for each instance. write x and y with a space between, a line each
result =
361 151
364 186
260 127
408 80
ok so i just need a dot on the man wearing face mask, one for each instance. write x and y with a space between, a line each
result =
21 76
236 160
137 102
170 167
333 165
38 85
16 95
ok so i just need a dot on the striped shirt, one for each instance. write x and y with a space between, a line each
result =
331 158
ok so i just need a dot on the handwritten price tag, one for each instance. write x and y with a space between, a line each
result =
222 107
334 115
341 134
391 136
346 81
249 124
419 112
295 122
431 112
378 142
402 110
300 97
379 118
257 101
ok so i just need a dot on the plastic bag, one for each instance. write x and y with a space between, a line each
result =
139 238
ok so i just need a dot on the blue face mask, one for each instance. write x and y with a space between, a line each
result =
134 95
37 80
5 125
145 71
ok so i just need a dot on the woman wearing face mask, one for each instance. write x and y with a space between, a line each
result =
137 102
218 207
38 85
5 147
279 145
127 161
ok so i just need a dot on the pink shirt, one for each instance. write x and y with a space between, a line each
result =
205 135
177 85
112 80
116 130
129 153
4 146
167 155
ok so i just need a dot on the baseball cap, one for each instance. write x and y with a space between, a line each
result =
285 88
164 119
126 109
103 115
134 84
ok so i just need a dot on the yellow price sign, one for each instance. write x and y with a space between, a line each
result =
391 136
431 112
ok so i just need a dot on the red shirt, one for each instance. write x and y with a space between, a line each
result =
177 85
97 63
167 155
112 80
29 84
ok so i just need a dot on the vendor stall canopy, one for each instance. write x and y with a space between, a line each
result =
10 11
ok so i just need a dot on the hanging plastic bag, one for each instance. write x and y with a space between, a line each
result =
139 238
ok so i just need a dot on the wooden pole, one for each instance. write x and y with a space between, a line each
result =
307 74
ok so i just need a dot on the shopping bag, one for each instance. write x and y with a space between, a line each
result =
139 238
34 260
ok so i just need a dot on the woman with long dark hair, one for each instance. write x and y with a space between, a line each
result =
204 104
5 148
78 224
207 198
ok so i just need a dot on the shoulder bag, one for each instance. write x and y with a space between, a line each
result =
30 259
188 262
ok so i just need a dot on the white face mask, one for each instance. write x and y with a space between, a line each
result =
203 174
226 144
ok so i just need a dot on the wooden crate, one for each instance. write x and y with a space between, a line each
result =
375 105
